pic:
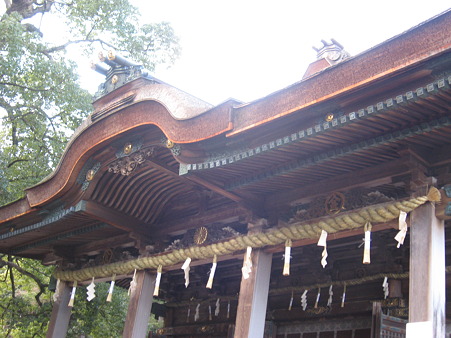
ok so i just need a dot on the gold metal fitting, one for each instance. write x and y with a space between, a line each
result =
90 175
111 55
114 79
128 147
169 144
329 117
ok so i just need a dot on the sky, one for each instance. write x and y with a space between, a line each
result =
248 49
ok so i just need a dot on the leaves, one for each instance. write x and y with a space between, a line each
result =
41 104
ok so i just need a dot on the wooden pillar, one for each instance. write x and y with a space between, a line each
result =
427 274
251 312
59 320
139 306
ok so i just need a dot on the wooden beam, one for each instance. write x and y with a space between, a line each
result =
180 226
248 201
139 306
376 320
253 298
95 247
114 218
368 177
59 320
427 289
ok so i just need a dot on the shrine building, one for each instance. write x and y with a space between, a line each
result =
319 211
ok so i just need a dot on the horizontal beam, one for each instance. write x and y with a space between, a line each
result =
339 153
249 201
371 176
180 226
94 247
113 218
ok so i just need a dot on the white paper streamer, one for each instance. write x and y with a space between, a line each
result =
217 307
188 314
322 242
196 314
247 263
331 293
228 309
304 300
56 295
317 298
287 258
212 272
401 235
132 284
91 291
186 268
209 312
385 287
110 290
367 248
156 291
343 297
72 295
291 302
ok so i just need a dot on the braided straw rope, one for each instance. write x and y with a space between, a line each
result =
358 218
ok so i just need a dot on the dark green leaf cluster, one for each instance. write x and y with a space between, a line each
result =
99 318
41 104
25 302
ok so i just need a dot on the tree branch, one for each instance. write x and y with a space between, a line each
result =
40 284
16 161
64 46
11 278
28 9
23 87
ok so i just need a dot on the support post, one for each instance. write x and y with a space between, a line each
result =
253 298
427 274
139 306
59 320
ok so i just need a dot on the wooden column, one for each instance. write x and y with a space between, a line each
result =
139 306
59 320
427 273
251 312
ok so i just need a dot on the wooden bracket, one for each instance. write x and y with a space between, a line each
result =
443 209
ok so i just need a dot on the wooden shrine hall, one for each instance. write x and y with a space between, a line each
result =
321 210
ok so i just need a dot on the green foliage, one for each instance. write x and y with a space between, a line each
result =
25 302
41 104
99 318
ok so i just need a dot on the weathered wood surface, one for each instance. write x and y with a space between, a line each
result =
59 320
139 306
253 298
427 269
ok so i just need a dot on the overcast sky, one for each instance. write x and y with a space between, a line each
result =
247 49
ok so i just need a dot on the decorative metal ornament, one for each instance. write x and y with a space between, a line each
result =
169 144
114 79
90 175
200 236
329 117
335 203
128 147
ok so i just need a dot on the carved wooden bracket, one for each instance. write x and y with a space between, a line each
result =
443 209
126 165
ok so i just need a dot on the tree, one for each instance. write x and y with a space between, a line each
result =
39 95
41 103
